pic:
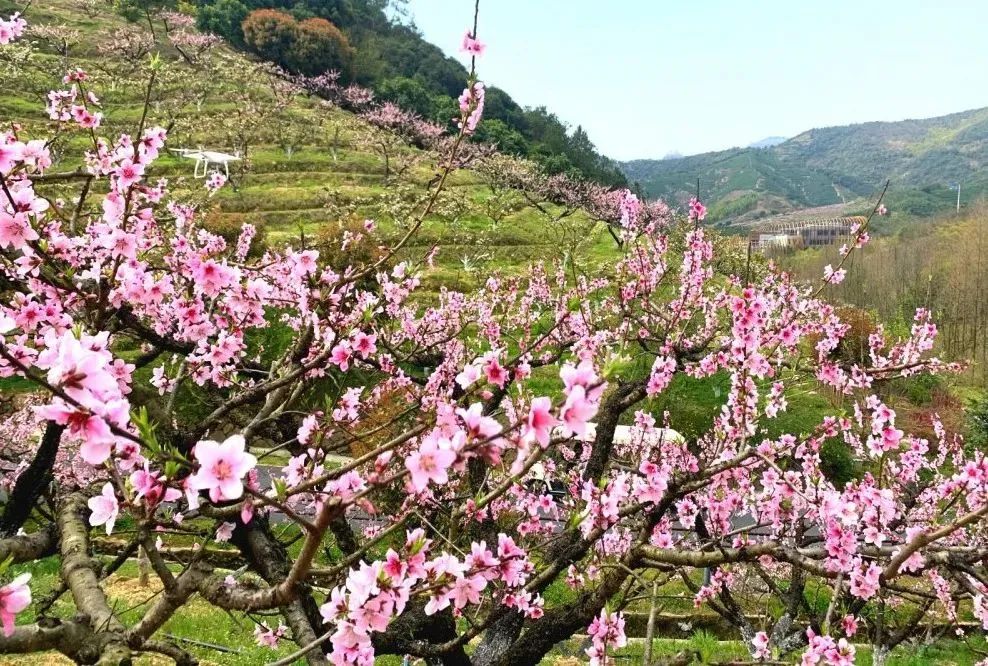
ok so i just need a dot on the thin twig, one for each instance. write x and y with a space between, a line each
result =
302 651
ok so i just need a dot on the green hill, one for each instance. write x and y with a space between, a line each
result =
392 57
833 165
735 182
311 168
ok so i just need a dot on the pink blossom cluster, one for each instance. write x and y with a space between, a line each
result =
617 207
195 40
215 181
761 644
73 104
583 389
357 96
92 403
11 28
697 211
826 651
267 637
405 124
471 45
177 19
15 596
375 593
471 107
606 633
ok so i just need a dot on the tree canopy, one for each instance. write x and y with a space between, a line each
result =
401 66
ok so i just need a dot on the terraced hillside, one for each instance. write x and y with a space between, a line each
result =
310 168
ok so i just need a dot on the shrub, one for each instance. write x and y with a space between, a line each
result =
309 47
346 243
229 229
270 34
409 94
853 347
319 46
224 18
977 414
837 462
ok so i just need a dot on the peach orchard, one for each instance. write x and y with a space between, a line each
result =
472 434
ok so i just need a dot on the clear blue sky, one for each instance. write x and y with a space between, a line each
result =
648 77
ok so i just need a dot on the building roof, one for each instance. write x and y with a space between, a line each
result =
803 233
796 226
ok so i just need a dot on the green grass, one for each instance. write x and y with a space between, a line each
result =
705 649
198 620
15 385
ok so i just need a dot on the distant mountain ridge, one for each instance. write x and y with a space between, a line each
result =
829 166
767 142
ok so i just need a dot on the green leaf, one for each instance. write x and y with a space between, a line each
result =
142 420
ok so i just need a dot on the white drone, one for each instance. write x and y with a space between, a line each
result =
204 158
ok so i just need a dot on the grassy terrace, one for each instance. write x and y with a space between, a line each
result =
329 171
